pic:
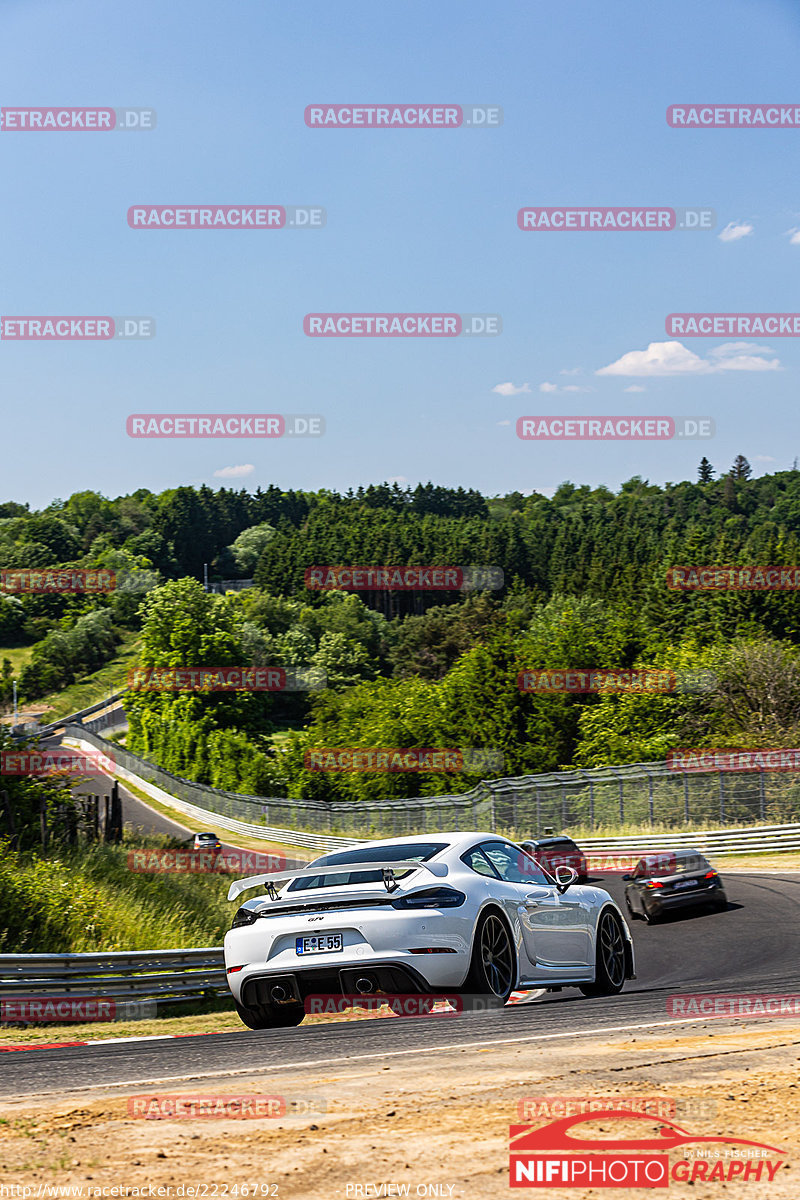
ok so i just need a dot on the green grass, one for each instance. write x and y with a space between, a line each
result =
20 656
86 898
95 687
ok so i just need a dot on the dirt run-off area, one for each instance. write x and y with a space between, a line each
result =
433 1123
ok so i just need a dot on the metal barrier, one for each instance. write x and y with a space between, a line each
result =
634 793
77 717
755 839
166 975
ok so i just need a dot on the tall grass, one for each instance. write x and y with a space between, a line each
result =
87 899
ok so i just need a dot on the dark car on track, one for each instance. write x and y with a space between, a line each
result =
670 880
552 852
206 841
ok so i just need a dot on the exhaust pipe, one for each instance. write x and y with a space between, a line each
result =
278 994
365 986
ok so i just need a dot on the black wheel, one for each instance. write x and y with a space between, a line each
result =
634 916
651 915
609 976
271 1018
492 971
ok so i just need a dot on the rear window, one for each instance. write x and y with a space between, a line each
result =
657 866
413 852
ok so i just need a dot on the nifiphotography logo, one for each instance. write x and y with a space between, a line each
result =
559 1155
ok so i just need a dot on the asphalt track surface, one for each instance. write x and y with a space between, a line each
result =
752 947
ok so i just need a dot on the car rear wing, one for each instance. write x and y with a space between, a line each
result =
387 867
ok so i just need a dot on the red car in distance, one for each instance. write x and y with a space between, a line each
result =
552 852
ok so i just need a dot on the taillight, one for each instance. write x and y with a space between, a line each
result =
244 916
441 897
653 883
709 874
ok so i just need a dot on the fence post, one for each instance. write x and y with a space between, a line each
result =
563 806
722 797
686 797
116 813
43 822
538 812
762 795
12 829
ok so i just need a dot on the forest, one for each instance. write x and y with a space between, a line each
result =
584 586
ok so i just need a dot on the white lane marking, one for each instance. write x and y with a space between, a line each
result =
328 1062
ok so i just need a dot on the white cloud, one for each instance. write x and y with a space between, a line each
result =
765 458
673 358
793 236
734 231
503 422
635 387
571 371
510 389
568 387
234 472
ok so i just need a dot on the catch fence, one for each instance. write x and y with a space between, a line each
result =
648 795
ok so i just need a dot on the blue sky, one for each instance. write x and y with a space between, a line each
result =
417 221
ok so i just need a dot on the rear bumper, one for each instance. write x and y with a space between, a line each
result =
688 899
301 985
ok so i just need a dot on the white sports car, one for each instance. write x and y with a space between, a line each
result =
460 913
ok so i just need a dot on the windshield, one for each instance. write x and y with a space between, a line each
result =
411 852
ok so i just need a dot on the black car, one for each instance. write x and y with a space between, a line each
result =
672 879
552 852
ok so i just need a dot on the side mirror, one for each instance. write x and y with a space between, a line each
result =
565 877
628 876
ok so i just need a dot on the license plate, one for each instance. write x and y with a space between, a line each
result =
686 883
321 943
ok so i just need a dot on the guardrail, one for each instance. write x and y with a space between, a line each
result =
168 976
757 839
77 717
752 839
211 819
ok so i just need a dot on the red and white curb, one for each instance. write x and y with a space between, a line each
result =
514 998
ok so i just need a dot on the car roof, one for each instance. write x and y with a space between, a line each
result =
452 841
